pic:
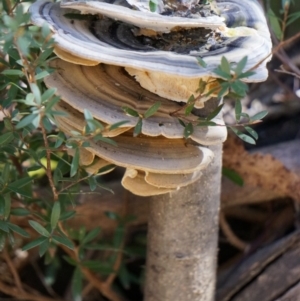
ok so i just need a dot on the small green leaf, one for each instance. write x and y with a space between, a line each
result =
64 241
87 115
21 187
44 55
118 236
20 183
243 136
153 5
224 89
124 276
181 122
55 214
92 183
70 260
206 123
225 66
91 235
252 132
111 215
152 110
18 230
2 240
46 123
105 139
45 30
238 110
201 62
239 88
75 163
60 138
94 124
67 215
245 115
7 204
106 168
34 243
48 94
77 284
13 72
36 92
4 226
246 74
188 130
241 65
6 173
117 125
32 118
190 105
233 176
221 73
52 101
275 23
202 86
6 138
19 211
292 18
104 268
44 246
36 121
41 75
29 100
130 112
138 128
39 228
259 116
215 112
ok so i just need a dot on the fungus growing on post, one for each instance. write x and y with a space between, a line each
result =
137 54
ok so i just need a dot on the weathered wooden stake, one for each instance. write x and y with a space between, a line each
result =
182 239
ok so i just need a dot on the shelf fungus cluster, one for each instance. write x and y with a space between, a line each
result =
135 53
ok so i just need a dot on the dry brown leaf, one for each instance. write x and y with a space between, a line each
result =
260 170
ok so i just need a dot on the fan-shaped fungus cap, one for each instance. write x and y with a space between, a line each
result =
153 165
239 31
105 89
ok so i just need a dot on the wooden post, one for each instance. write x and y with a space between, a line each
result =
182 239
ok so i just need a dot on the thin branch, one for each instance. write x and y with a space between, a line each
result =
277 48
232 238
287 72
110 279
13 291
72 184
48 288
285 19
13 270
48 170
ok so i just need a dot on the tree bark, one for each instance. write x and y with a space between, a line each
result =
182 239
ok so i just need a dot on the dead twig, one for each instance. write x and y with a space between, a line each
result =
13 270
276 49
287 72
15 292
231 237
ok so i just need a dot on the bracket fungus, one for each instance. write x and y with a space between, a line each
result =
137 53
96 40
